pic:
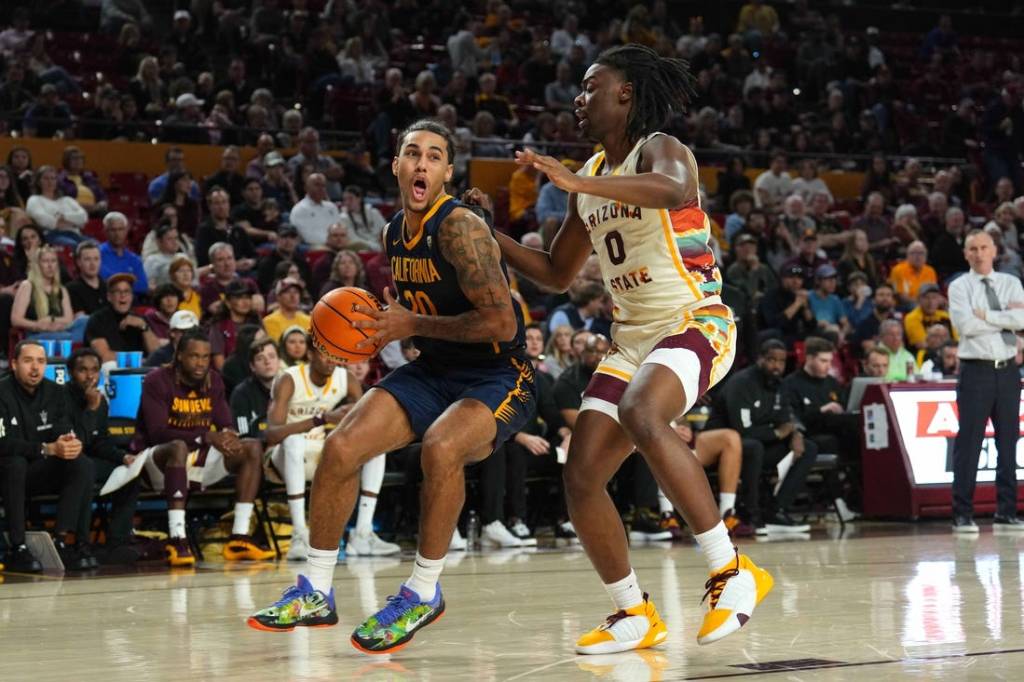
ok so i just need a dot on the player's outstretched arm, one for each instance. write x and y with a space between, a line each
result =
667 176
555 269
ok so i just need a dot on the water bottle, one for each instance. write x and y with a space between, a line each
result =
472 530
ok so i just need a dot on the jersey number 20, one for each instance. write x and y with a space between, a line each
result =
420 303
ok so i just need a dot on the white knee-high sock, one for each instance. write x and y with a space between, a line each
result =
371 478
364 518
726 502
664 504
425 573
243 515
625 593
176 523
294 448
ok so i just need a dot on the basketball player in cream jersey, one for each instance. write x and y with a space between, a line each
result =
636 204
305 399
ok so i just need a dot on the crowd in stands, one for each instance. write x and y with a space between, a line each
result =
824 287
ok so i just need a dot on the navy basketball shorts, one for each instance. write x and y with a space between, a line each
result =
425 390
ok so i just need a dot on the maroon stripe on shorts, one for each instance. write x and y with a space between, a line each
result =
605 387
693 340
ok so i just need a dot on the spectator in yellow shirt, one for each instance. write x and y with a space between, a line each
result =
522 192
908 275
927 313
288 314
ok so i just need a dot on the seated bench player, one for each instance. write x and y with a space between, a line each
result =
305 399
721 447
181 405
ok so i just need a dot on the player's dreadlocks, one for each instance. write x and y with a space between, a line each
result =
662 86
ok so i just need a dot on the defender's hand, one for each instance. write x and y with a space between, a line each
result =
477 197
394 323
551 167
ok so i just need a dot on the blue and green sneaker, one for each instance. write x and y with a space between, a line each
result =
393 626
299 606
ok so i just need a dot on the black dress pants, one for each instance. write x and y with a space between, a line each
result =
984 392
122 506
71 479
769 456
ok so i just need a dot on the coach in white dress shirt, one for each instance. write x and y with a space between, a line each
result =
987 308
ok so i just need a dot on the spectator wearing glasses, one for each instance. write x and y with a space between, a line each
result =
115 328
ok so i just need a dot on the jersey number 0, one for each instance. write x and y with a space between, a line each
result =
616 247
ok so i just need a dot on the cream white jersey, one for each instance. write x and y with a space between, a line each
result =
308 398
656 263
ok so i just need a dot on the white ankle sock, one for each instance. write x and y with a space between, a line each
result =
176 523
726 502
243 514
364 518
320 568
297 508
717 546
625 593
425 573
664 504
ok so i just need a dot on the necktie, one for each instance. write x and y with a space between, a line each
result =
1009 338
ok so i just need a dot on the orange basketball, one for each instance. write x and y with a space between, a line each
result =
331 324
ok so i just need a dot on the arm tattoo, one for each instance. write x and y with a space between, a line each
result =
467 243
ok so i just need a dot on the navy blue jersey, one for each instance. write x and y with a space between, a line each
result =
427 284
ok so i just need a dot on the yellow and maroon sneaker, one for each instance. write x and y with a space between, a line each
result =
732 593
179 554
639 627
669 522
736 526
244 548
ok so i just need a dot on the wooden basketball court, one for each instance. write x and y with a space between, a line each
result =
882 602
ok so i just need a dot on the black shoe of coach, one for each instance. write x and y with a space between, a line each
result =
1007 525
20 560
69 556
964 525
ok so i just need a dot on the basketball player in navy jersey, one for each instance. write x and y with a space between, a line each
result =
470 389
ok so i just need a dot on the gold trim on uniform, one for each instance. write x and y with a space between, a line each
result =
506 411
410 244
